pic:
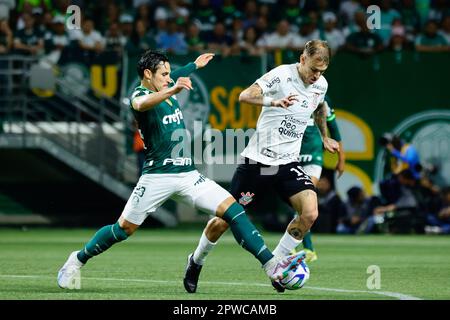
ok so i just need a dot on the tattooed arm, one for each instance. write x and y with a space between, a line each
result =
320 118
254 95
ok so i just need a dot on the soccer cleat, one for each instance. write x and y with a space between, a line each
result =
311 256
191 275
69 276
278 267
278 286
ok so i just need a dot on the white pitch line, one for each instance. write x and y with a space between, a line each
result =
396 295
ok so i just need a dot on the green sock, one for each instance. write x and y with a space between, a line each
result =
307 241
102 241
246 234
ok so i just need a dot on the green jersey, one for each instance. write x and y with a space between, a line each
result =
312 148
163 131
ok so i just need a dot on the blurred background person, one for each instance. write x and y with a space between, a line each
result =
430 40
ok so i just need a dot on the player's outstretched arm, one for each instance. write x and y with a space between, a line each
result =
148 101
201 62
253 95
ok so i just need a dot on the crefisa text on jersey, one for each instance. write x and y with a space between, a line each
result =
226 309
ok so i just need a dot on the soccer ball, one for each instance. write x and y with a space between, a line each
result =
296 278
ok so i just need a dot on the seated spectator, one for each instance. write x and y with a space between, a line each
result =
228 12
114 41
194 41
363 42
219 41
387 17
292 13
445 29
410 18
353 26
430 40
28 41
281 38
333 35
126 25
172 41
359 213
5 7
440 223
398 41
407 212
331 207
403 155
140 40
89 40
308 30
204 15
56 41
6 41
250 14
347 10
248 43
6 37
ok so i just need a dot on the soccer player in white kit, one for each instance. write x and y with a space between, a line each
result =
271 158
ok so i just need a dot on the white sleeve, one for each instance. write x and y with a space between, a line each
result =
271 81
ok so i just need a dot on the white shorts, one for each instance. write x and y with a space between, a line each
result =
313 170
152 190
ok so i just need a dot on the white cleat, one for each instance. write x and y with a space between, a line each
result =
278 267
69 276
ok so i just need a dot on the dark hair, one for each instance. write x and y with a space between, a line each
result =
150 60
353 193
407 174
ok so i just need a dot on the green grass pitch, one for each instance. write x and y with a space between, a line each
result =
150 265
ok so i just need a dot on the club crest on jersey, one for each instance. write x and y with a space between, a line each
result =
176 117
315 100
246 198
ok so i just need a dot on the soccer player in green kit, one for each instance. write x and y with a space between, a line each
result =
311 160
169 175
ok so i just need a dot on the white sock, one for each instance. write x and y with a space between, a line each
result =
286 245
202 250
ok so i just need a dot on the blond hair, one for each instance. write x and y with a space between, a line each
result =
318 49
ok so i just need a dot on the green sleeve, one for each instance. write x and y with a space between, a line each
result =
333 127
183 71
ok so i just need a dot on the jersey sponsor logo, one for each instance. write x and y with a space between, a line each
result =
272 82
315 100
306 157
288 128
201 179
269 153
316 86
176 117
178 161
246 198
274 155
304 104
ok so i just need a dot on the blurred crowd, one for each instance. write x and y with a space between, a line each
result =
409 201
226 27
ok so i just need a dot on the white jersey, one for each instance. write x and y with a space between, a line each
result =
279 131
